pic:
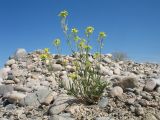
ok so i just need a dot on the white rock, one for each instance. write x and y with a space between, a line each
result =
57 67
105 71
150 85
157 81
20 53
10 62
116 91
4 72
15 97
116 71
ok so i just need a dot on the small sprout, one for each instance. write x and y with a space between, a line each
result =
89 30
57 42
63 14
74 31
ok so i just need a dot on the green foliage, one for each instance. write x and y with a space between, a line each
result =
87 85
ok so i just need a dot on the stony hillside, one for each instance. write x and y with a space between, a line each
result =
28 91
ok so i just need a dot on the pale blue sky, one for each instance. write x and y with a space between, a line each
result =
133 26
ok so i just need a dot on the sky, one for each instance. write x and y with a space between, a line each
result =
132 26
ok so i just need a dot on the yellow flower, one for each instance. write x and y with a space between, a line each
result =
88 47
63 14
43 57
46 50
102 35
89 30
73 76
57 42
96 55
75 30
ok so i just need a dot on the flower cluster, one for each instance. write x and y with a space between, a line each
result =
63 14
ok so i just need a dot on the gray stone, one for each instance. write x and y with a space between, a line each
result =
139 111
149 116
5 89
20 53
10 107
116 71
150 85
42 94
30 100
36 98
15 97
158 89
10 62
128 82
56 109
107 60
157 81
56 67
105 71
104 118
103 102
4 72
58 117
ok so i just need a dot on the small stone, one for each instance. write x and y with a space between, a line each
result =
157 81
104 118
107 60
5 89
150 85
132 109
56 67
4 72
59 117
139 111
42 94
10 107
158 89
8 82
15 97
143 102
130 101
49 98
22 89
149 116
10 62
116 71
116 91
103 102
56 109
128 82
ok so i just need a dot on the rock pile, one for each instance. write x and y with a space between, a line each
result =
29 91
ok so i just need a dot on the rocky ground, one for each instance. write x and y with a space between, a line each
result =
28 91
